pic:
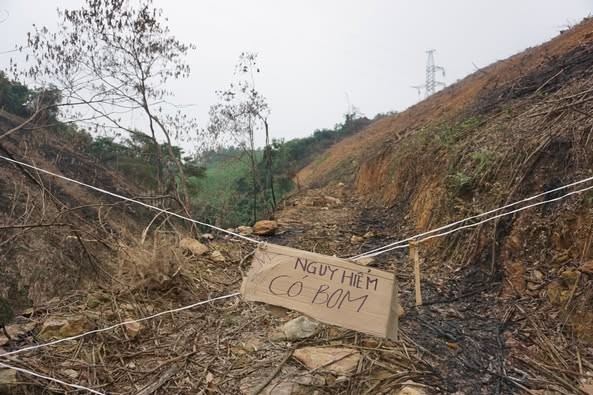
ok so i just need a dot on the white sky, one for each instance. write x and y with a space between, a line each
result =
315 54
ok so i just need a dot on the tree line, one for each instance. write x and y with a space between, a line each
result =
110 60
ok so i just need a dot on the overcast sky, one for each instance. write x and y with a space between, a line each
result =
316 56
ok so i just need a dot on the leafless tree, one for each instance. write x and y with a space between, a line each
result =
111 58
242 111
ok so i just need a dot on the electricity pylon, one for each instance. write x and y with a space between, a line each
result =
431 82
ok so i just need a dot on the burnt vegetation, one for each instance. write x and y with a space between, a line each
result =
507 304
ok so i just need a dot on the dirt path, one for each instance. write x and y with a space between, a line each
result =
459 332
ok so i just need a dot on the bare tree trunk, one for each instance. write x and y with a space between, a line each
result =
254 196
152 118
268 161
258 178
178 164
159 154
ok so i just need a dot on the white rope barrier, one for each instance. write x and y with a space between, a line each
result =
473 217
25 371
419 238
130 200
377 251
44 345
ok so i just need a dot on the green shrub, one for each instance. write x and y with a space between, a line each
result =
461 182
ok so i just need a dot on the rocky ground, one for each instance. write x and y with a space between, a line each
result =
507 305
223 347
466 339
475 332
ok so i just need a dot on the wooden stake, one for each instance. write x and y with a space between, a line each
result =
416 258
392 331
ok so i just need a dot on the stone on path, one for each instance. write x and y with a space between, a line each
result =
60 328
133 328
245 230
265 227
367 260
337 360
356 239
217 256
411 388
193 246
300 328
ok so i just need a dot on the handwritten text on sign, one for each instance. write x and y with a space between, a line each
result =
326 288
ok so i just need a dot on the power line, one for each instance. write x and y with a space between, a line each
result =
375 252
15 50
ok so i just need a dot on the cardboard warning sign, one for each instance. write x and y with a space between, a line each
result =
329 289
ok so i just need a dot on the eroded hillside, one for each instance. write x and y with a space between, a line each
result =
507 304
55 233
509 131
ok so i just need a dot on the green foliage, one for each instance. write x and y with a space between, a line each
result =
137 157
482 159
589 198
13 96
18 99
466 180
226 191
295 154
449 135
220 181
460 182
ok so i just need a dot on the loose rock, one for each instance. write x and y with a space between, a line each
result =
587 267
265 227
569 277
16 330
133 329
207 236
356 239
412 388
369 234
346 359
194 246
251 344
245 230
65 327
332 201
73 374
217 256
538 276
300 328
365 261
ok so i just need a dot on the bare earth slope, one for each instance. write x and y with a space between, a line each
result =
54 232
508 302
